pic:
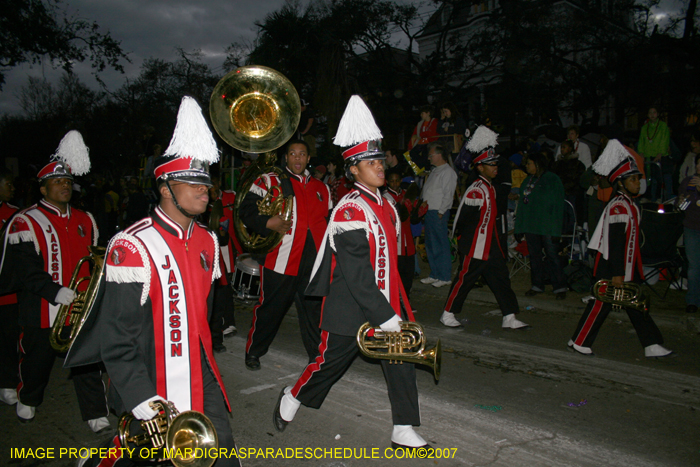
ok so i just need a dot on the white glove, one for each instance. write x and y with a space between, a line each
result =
392 325
65 296
143 411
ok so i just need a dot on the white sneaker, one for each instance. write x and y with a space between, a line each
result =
579 349
25 412
230 330
405 436
509 322
656 351
98 424
428 280
8 396
449 320
587 298
438 284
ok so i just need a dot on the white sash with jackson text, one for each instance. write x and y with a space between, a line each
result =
175 322
54 262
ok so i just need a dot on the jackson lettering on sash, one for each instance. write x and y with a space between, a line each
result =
174 320
55 262
381 282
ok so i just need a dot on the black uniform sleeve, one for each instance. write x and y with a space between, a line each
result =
28 267
250 215
353 258
617 249
127 328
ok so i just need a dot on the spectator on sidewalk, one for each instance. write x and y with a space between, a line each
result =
438 194
540 217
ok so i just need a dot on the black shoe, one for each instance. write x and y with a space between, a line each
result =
219 348
561 295
279 422
532 293
691 309
252 362
411 449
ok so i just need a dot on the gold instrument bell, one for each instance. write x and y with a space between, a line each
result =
256 110
630 295
398 347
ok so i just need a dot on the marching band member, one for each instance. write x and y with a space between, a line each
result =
616 239
44 244
152 328
287 268
9 312
480 250
357 273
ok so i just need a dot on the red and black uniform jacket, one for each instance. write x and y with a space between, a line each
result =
151 329
404 207
312 203
6 212
43 248
616 239
357 272
476 221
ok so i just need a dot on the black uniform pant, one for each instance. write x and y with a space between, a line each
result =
495 273
335 355
37 358
214 408
595 314
407 266
9 336
278 291
222 312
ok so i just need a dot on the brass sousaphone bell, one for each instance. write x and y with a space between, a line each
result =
256 110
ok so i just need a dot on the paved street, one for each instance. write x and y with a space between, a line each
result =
505 398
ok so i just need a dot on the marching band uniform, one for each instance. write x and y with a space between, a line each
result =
9 312
407 247
152 327
616 240
357 273
287 268
48 245
480 250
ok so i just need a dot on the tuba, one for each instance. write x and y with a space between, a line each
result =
630 295
75 314
398 347
186 437
256 110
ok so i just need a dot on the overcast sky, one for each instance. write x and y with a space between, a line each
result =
154 28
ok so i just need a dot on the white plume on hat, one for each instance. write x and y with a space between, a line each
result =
192 136
72 151
612 155
483 138
357 124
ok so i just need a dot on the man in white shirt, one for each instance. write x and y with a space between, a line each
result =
438 195
580 148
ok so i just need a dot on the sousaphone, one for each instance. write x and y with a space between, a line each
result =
256 110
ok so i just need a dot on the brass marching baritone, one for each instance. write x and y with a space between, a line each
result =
75 314
398 347
178 433
630 295
256 110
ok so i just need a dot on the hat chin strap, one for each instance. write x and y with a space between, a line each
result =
177 205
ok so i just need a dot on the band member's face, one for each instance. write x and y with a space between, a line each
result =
58 191
425 116
192 198
488 171
631 184
369 173
394 182
297 158
7 189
